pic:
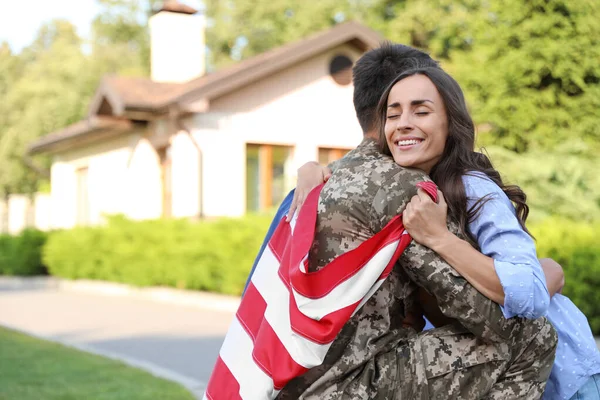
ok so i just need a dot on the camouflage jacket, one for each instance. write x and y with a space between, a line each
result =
365 192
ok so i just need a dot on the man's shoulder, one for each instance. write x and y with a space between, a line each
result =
378 169
375 185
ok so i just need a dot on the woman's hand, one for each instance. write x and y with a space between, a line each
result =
310 175
425 220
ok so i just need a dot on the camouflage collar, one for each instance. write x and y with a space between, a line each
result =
368 146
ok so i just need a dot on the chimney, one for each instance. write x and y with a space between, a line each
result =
177 43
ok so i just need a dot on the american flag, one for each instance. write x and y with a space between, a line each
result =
288 316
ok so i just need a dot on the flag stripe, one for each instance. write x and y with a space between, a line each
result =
251 311
317 284
430 188
236 354
351 290
288 317
280 239
223 379
321 331
273 357
268 348
277 313
321 319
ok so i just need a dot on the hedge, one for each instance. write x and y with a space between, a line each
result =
21 254
575 246
214 256
217 255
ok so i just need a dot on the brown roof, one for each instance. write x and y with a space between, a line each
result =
82 130
265 64
141 94
176 7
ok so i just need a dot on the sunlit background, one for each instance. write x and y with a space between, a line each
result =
147 143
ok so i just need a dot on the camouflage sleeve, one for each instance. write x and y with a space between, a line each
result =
333 165
393 196
456 298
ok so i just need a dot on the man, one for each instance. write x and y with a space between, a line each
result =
376 355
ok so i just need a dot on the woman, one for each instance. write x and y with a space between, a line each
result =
425 124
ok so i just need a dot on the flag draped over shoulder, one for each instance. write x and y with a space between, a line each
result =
288 316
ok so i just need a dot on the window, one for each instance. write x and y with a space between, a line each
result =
328 155
164 155
83 198
340 69
267 172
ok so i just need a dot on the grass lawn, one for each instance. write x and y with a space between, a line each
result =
33 369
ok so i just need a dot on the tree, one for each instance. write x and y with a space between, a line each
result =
49 85
45 95
243 28
120 37
529 68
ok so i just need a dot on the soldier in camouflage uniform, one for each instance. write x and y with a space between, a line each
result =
480 354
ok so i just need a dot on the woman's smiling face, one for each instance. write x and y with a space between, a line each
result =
416 125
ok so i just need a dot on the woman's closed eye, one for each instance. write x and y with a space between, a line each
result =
393 116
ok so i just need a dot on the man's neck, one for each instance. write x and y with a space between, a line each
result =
370 137
374 135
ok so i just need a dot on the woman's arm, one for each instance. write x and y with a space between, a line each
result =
508 271
485 279
555 276
425 221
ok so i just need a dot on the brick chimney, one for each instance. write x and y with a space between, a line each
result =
177 43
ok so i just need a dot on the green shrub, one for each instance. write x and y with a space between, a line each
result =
21 254
576 247
209 255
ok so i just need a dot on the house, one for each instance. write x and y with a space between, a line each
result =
189 144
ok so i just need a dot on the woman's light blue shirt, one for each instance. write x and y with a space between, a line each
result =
500 237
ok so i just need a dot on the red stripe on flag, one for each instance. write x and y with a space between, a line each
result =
318 284
269 353
222 383
251 312
328 327
280 238
273 358
430 188
304 231
323 331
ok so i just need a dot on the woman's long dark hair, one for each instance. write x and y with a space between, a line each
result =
459 157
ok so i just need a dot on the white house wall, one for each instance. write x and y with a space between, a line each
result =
123 177
186 183
63 194
143 183
300 107
223 173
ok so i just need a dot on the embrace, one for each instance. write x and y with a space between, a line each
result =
465 310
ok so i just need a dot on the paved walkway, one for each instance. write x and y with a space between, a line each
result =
177 342
173 341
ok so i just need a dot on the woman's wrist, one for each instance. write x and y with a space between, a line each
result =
442 242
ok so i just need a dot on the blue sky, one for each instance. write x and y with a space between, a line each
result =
21 19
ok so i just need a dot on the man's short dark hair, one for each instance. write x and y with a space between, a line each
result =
375 70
